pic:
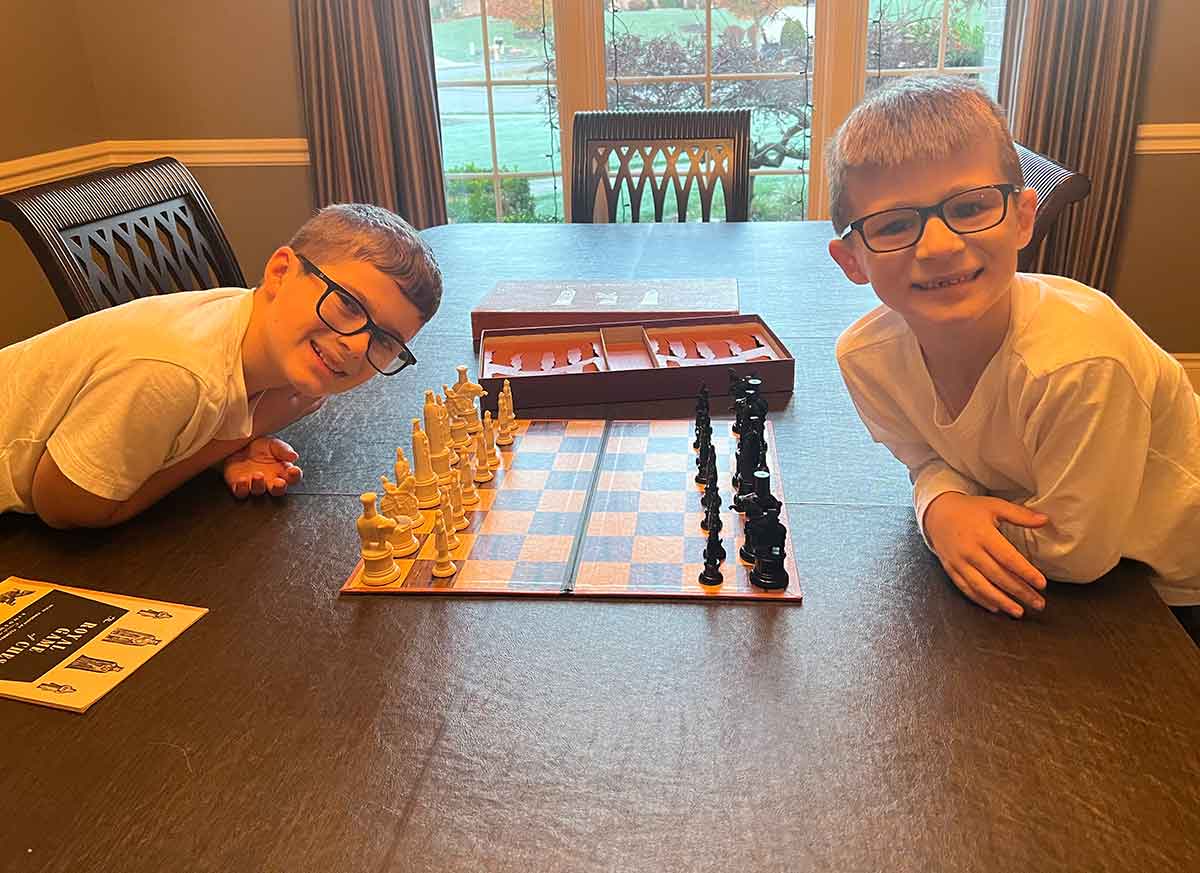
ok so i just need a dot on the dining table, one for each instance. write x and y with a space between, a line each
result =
885 724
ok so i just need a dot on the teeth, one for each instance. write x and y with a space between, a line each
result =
943 283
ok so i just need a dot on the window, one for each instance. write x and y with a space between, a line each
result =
511 73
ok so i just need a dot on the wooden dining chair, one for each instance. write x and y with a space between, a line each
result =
110 236
669 152
1056 187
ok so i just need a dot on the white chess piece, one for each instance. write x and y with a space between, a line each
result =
458 514
446 513
483 472
443 567
425 479
489 441
379 567
401 469
392 505
466 480
503 435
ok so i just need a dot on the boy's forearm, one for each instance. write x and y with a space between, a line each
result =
63 504
168 479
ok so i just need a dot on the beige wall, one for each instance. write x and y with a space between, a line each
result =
74 72
1157 259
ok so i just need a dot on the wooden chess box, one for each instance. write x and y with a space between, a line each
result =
632 360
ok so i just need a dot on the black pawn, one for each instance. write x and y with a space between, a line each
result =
769 572
714 554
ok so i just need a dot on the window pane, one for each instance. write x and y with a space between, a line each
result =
470 200
457 40
526 129
466 134
779 121
770 39
656 95
521 33
778 198
903 34
965 32
654 42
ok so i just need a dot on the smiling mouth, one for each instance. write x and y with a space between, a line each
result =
948 281
324 360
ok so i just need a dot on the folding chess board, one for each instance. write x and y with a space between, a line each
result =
593 509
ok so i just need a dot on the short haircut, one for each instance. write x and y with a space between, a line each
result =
379 237
917 118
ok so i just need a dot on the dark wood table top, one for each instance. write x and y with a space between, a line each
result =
886 724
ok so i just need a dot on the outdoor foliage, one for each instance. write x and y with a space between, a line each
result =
470 200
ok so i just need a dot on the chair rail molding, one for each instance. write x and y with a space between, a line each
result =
1191 364
1167 139
51 166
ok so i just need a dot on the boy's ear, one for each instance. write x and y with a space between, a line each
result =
277 269
1026 207
847 258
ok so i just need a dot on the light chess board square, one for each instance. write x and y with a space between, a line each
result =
593 508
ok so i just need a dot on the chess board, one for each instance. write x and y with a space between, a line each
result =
593 509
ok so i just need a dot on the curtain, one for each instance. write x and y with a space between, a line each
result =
1069 82
370 96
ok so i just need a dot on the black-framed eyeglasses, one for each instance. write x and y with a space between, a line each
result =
344 314
965 212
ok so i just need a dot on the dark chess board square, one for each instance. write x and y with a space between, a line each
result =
654 575
623 462
631 429
554 523
655 481
535 572
658 524
567 480
496 547
608 549
546 428
617 501
516 499
532 461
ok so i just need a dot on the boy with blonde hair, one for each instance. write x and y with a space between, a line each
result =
1044 433
102 416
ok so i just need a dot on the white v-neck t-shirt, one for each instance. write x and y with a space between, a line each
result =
1078 415
122 393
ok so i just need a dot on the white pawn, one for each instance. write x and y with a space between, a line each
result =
443 567
503 435
483 472
401 469
457 513
511 414
489 441
466 480
446 514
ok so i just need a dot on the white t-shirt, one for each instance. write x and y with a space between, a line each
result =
1078 415
122 393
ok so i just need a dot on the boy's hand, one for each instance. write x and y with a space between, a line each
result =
984 565
279 407
265 465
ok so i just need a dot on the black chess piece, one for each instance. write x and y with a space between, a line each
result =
714 550
738 388
712 517
754 506
706 457
714 554
748 459
770 535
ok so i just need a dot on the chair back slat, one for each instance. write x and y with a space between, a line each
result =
1056 187
108 237
715 143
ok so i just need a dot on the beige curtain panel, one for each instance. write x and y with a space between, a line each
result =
370 96
1069 82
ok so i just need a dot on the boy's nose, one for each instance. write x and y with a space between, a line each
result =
356 344
938 240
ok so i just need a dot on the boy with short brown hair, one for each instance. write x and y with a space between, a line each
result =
102 416
1044 433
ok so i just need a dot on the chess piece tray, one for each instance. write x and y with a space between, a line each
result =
622 361
544 303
